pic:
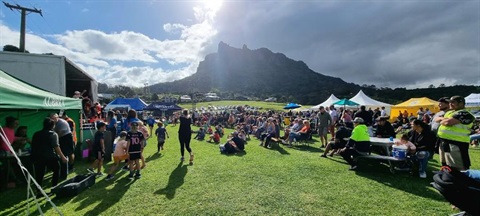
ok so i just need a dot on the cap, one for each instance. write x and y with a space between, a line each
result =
458 99
134 123
358 120
380 118
444 100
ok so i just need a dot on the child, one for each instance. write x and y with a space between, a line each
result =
161 132
200 134
143 129
98 149
404 140
215 136
135 142
119 154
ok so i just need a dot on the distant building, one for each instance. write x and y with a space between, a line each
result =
211 97
185 98
169 99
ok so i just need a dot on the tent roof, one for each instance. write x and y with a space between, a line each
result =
473 99
362 99
135 103
16 94
332 99
162 106
413 102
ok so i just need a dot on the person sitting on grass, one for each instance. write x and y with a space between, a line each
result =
161 134
215 137
341 138
200 134
233 145
358 144
98 149
119 153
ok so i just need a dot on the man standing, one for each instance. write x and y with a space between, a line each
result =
324 122
454 134
443 106
383 112
65 139
334 115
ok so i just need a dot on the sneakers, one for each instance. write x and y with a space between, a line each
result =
423 175
125 168
130 176
99 174
324 156
138 175
109 177
90 170
353 167
182 159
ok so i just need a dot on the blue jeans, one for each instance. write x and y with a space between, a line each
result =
422 157
474 137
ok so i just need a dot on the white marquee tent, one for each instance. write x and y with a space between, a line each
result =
472 100
362 99
332 99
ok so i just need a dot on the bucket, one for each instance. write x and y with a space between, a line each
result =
399 152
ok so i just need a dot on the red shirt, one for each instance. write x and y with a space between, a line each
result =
10 133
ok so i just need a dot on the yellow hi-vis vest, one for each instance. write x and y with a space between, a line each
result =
458 132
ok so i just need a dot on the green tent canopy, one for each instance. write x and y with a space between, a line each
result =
16 94
31 105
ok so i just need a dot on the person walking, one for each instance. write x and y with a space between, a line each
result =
46 152
184 135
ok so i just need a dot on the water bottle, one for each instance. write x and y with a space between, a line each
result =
391 139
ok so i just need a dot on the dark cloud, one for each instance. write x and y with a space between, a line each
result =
386 43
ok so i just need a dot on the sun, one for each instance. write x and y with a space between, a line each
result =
213 5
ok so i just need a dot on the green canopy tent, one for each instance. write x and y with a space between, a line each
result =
31 105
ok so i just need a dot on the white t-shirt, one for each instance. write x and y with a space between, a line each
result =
334 115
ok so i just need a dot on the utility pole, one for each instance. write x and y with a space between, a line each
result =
24 11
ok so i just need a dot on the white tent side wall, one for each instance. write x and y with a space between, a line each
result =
332 99
362 99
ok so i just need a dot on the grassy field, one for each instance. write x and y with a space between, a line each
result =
277 181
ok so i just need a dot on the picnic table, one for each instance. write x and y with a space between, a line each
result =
387 145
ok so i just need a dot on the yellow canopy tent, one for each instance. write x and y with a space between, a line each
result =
412 106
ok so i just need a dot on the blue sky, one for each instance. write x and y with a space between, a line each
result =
385 43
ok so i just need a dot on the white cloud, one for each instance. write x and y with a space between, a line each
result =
127 57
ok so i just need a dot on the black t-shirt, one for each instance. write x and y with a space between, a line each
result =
136 141
342 133
185 125
43 145
239 142
365 115
96 141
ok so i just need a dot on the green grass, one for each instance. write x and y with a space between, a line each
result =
264 105
277 181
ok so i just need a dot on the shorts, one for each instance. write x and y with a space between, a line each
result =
117 159
322 131
337 145
135 156
452 158
66 144
161 141
99 155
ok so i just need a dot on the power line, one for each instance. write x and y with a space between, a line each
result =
24 11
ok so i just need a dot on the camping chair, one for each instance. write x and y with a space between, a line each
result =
304 138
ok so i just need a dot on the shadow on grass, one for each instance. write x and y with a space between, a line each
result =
379 172
153 157
279 149
176 179
307 148
238 154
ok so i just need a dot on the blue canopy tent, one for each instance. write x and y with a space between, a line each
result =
134 103
292 106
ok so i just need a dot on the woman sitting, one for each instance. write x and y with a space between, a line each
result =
302 133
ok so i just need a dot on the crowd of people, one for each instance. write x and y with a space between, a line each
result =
446 132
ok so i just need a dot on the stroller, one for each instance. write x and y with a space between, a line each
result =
459 189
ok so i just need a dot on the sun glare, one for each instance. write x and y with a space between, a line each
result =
213 5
